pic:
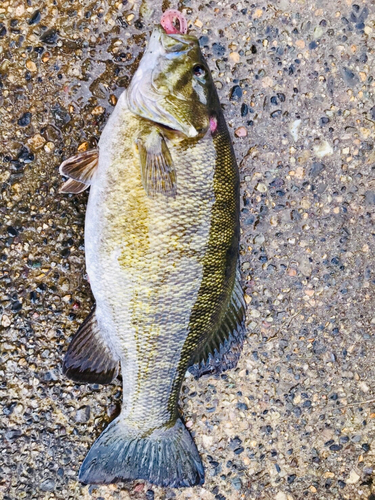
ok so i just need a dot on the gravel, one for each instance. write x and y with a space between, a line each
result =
297 79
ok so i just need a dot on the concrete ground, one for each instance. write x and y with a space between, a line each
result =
296 419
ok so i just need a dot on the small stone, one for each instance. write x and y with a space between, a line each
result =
370 197
316 169
281 496
237 483
293 128
13 434
49 147
48 485
236 93
150 495
198 23
218 49
83 414
84 146
235 57
244 109
254 313
276 113
323 149
25 120
207 441
247 298
35 18
31 66
98 110
259 239
262 188
353 477
305 203
241 132
49 37
5 321
335 447
36 142
350 78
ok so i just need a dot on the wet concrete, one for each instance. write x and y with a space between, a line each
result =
296 79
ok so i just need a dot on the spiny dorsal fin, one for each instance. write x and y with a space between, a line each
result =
223 348
89 358
80 167
157 170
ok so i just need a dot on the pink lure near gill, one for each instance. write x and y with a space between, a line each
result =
213 124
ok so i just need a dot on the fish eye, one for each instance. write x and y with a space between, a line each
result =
199 71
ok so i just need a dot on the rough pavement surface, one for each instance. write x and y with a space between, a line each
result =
296 419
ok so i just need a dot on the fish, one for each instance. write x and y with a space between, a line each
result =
162 256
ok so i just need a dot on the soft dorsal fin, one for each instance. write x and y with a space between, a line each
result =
223 348
79 168
89 358
157 170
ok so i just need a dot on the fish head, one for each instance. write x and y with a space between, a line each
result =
173 86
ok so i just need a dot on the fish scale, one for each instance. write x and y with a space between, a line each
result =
146 257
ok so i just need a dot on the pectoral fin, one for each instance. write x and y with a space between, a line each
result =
157 170
72 186
222 349
79 168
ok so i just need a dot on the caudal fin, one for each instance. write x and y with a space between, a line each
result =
166 457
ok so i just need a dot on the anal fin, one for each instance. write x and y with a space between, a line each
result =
89 359
157 169
223 347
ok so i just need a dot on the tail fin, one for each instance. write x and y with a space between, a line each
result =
165 457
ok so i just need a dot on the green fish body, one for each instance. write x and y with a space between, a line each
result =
161 242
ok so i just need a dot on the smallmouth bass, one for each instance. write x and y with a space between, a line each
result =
161 244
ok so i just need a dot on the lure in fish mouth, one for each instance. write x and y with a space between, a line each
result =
161 245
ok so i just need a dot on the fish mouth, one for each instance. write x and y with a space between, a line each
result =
156 103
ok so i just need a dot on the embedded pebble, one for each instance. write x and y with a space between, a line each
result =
241 132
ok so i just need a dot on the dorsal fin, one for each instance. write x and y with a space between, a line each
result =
89 358
223 348
80 168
